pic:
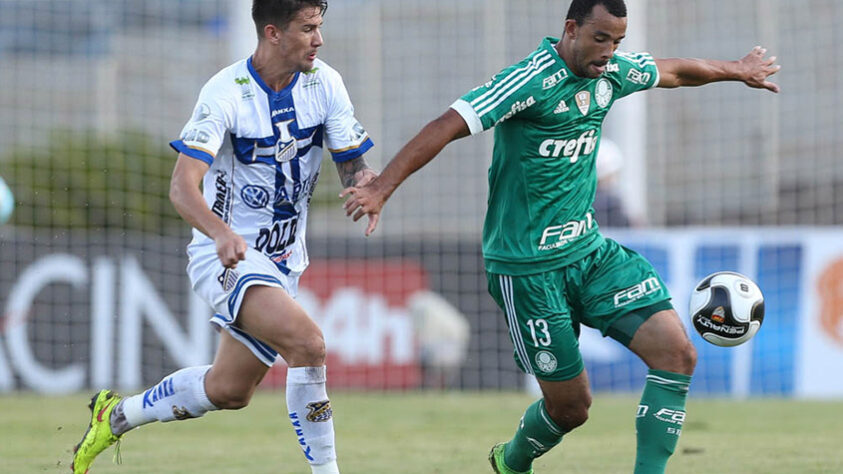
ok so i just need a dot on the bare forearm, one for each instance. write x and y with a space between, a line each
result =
690 72
192 208
753 70
352 172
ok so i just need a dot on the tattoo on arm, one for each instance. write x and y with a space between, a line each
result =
349 169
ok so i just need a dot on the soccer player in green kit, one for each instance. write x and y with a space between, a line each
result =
548 266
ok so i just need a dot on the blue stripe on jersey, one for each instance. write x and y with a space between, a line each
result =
180 147
254 150
347 155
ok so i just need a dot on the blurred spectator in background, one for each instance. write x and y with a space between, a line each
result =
608 205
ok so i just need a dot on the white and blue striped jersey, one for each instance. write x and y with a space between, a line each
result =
264 149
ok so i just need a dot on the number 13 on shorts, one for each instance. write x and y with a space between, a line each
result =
539 326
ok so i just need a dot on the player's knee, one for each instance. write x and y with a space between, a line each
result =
689 358
570 415
308 351
230 399
228 396
679 358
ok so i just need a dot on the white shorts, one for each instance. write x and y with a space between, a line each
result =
224 289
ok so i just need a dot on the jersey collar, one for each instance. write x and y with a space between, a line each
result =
285 91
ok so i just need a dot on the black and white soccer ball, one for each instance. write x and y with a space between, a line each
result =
727 308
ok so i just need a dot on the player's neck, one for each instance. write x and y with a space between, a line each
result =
274 73
568 56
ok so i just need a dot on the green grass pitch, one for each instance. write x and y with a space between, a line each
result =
436 432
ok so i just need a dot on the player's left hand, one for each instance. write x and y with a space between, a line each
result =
362 200
757 69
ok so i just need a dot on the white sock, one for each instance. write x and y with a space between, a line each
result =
312 418
179 396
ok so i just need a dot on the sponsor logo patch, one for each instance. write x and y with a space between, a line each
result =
573 148
554 80
256 197
583 99
518 106
646 287
201 113
561 108
637 77
556 236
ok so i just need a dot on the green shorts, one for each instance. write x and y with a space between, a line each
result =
613 289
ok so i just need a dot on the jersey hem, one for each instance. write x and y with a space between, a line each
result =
520 267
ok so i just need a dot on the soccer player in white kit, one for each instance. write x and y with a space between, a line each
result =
255 141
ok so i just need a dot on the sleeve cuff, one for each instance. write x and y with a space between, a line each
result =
468 114
193 152
352 153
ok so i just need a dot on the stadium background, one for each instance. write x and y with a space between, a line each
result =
721 177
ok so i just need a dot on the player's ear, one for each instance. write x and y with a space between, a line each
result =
570 29
271 33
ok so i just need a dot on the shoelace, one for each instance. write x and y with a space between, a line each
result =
118 458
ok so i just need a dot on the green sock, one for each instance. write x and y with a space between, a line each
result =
536 434
659 419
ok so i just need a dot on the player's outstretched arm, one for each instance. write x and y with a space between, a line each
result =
189 203
753 70
369 199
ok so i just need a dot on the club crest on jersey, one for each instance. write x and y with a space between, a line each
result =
603 93
285 147
546 362
583 99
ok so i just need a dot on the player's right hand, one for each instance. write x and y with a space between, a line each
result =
231 248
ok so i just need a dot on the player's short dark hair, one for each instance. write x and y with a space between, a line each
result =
580 10
281 12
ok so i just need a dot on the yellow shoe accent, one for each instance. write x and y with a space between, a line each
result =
496 456
99 435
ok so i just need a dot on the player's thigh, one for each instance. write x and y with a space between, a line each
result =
234 375
540 326
662 343
617 290
273 316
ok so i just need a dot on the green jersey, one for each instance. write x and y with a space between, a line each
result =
543 177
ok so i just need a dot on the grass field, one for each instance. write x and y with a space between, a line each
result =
429 433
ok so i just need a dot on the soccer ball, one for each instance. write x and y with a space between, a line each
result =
727 308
